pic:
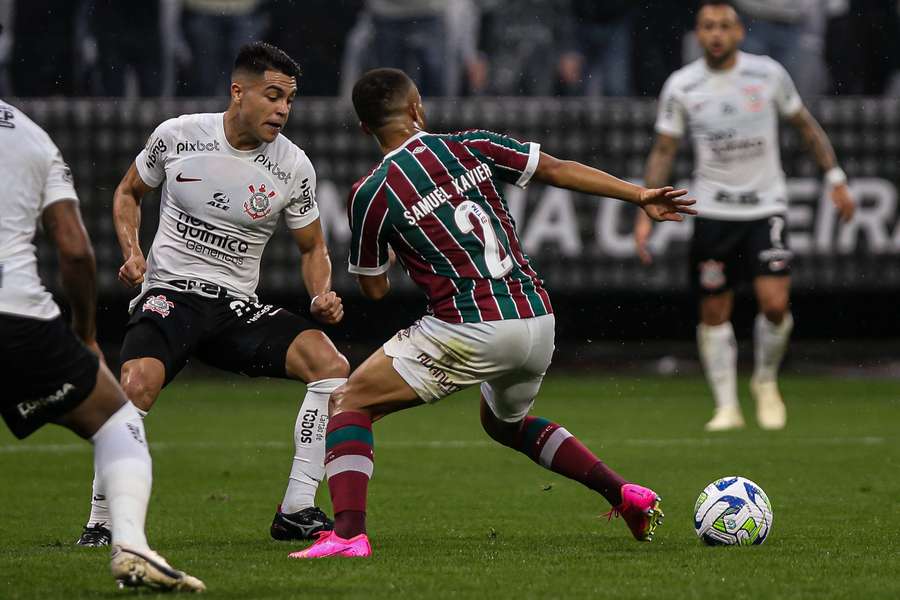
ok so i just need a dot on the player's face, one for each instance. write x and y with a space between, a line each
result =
719 32
266 104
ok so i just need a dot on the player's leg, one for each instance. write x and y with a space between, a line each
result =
770 263
712 269
312 358
160 336
264 340
373 390
505 403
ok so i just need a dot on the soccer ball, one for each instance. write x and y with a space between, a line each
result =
733 511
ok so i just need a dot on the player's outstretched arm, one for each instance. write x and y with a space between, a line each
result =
78 270
660 204
325 305
817 141
659 167
127 219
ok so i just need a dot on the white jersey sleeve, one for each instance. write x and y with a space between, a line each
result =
58 185
670 119
302 208
787 99
151 162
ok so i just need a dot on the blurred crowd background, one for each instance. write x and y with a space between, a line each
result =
150 48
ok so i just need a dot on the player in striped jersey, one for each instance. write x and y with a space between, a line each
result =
436 201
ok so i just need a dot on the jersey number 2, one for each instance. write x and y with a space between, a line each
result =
497 267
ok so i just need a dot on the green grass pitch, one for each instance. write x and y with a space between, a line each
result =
453 515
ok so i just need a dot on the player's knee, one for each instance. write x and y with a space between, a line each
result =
339 401
312 356
499 431
140 386
775 309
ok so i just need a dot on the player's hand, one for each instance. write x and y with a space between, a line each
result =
642 230
666 204
843 200
327 308
132 272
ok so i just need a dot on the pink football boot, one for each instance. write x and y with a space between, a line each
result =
640 509
329 544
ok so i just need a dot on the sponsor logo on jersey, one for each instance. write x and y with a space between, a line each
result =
468 180
712 274
197 146
67 174
305 199
158 304
220 200
728 108
273 168
154 151
203 238
6 117
30 406
258 205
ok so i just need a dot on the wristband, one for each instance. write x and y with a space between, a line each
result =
313 301
835 176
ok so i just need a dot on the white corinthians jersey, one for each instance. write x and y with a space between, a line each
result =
219 206
733 118
34 176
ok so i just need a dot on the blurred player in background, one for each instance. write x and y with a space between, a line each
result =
228 179
436 201
53 373
731 101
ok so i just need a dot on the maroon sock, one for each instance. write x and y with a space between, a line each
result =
349 461
554 448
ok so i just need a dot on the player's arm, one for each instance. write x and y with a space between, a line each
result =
656 174
315 265
374 287
817 141
78 270
660 204
127 219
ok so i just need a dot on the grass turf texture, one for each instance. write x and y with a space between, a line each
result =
452 514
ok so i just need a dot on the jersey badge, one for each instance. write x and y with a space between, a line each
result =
754 95
258 205
712 274
158 304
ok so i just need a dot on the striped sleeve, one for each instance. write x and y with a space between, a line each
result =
516 161
368 214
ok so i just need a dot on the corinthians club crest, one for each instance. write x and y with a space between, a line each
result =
258 205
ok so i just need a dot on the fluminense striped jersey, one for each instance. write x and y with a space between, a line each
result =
437 200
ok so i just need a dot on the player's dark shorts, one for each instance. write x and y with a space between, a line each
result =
234 335
725 253
45 371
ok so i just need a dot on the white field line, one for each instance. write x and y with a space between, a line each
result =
24 448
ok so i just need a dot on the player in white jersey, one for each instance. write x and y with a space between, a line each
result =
53 373
731 102
228 178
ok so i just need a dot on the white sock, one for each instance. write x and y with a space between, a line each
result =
718 353
769 344
124 470
99 504
308 467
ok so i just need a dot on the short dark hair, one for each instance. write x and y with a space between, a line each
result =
703 3
259 57
379 94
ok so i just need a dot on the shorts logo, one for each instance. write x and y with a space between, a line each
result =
158 304
30 406
712 274
443 381
258 205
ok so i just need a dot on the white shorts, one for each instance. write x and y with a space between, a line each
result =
508 358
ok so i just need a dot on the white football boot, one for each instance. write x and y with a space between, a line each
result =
770 411
146 568
726 418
